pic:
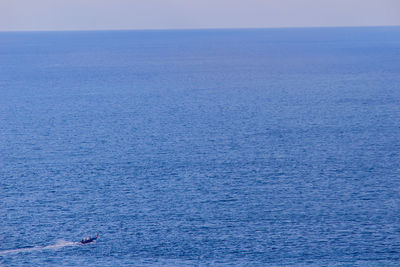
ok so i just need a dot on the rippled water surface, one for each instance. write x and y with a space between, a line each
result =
220 147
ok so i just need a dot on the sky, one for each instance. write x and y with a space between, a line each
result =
43 15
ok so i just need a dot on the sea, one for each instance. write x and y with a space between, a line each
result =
236 147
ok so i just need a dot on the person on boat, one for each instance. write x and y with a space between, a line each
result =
89 239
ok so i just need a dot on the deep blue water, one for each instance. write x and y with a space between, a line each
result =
208 147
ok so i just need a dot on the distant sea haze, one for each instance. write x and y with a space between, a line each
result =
275 147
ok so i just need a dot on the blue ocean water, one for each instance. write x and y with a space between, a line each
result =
206 147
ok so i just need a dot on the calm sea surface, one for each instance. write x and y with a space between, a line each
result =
209 147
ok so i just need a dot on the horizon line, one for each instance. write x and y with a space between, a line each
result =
192 29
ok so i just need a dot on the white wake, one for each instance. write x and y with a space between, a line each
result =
59 244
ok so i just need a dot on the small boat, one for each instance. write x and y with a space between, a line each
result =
88 239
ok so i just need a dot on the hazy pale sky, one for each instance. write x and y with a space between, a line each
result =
183 14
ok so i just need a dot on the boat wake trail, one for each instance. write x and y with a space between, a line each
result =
59 244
